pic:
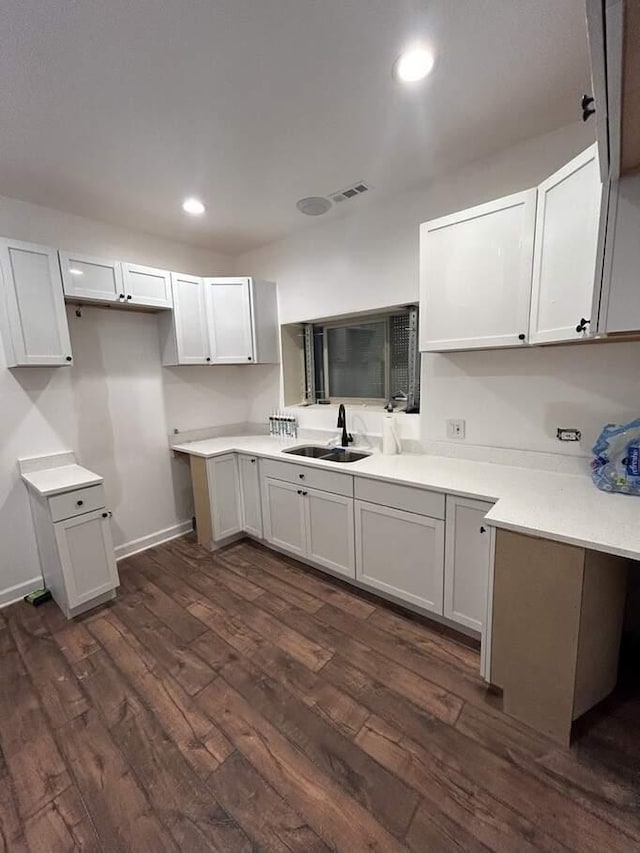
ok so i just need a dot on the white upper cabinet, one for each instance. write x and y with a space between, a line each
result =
567 260
184 332
91 279
33 319
242 316
147 286
229 317
475 275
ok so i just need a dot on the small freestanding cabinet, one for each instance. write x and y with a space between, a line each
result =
72 531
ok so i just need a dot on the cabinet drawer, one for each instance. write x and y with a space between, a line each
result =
409 498
316 478
77 502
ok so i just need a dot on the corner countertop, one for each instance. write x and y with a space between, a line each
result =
563 507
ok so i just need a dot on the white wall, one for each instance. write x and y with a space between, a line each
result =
509 399
116 405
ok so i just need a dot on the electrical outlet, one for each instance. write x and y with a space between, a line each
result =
455 429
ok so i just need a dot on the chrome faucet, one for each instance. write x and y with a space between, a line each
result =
342 423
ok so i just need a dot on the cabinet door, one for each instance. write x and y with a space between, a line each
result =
475 275
468 555
147 286
86 556
569 241
400 553
95 279
224 496
229 319
250 493
190 319
329 529
283 514
34 322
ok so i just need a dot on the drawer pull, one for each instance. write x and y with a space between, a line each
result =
483 529
301 476
253 461
105 515
304 494
79 503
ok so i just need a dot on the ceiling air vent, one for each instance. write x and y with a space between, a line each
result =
350 192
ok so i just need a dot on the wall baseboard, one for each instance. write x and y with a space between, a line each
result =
18 592
157 538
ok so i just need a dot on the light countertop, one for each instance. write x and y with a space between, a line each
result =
65 478
560 506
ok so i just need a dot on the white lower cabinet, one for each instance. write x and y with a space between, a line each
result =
284 519
86 555
76 550
224 496
329 529
467 561
400 553
250 495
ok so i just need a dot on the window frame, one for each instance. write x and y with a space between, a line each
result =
341 324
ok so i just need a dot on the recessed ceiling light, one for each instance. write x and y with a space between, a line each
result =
413 65
75 271
314 205
193 206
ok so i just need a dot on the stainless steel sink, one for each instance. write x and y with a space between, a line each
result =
328 454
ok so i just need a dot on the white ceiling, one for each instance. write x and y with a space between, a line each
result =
118 109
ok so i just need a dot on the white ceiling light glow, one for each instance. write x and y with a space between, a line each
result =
193 206
413 65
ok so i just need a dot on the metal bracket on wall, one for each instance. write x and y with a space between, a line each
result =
310 368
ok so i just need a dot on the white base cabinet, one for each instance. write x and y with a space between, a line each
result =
224 496
310 523
400 553
76 548
467 560
248 472
33 320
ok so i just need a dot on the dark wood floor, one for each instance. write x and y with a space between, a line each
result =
242 702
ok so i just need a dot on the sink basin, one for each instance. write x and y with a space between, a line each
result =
328 454
310 452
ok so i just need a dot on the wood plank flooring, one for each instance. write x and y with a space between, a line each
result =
240 701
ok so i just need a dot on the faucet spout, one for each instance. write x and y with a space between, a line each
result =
342 424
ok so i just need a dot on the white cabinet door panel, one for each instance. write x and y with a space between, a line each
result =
329 528
96 279
224 495
569 240
34 320
283 514
468 554
475 275
86 555
229 316
250 493
147 286
400 553
190 319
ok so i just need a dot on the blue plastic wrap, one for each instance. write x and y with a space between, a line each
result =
616 463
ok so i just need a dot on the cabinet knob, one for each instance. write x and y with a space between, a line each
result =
105 515
68 358
299 491
582 325
121 296
79 503
522 336
304 494
129 296
301 476
208 358
253 460
483 529
587 107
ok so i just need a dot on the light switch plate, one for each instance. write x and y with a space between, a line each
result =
455 428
